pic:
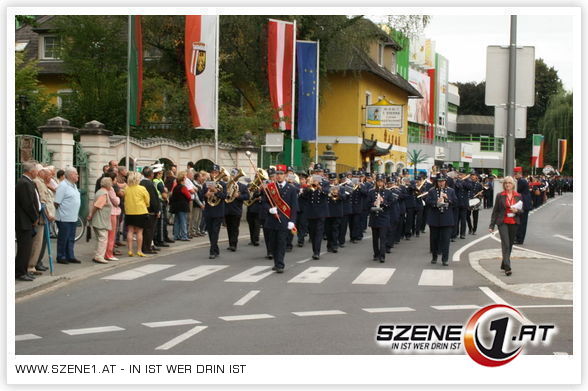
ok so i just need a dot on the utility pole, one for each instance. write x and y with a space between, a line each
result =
510 128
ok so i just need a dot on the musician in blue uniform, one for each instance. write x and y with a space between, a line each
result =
462 188
254 220
356 207
525 192
333 220
301 216
316 194
393 212
291 179
440 219
365 209
271 172
402 196
214 209
234 211
424 189
476 191
346 188
411 204
280 215
380 200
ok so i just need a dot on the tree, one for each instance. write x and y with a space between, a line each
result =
471 99
416 157
557 123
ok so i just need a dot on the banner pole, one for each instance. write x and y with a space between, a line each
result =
318 51
216 91
128 142
293 95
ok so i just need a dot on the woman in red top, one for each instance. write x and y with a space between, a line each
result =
507 219
179 205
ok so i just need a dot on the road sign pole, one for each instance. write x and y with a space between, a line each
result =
512 71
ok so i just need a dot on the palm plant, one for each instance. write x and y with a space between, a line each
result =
415 157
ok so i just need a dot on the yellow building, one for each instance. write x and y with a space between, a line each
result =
353 83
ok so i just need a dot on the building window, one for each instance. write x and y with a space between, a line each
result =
381 55
393 63
63 97
50 47
368 98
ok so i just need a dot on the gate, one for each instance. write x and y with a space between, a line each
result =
30 148
82 165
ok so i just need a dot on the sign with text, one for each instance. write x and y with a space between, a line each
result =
384 116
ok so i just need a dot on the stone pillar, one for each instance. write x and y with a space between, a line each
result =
95 141
329 158
60 141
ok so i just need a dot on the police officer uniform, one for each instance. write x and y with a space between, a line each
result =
356 208
379 217
317 209
440 220
233 213
214 215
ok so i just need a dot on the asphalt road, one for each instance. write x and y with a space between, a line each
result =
236 305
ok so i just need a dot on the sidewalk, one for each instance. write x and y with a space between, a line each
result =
64 274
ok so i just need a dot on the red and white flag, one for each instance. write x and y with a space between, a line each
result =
200 59
280 69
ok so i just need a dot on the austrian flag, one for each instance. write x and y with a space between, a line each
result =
280 69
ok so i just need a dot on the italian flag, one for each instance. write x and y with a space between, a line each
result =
135 70
538 147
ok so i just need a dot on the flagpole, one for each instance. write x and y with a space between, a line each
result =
128 143
293 95
216 92
318 51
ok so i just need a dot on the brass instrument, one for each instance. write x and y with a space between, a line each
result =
233 187
261 175
214 200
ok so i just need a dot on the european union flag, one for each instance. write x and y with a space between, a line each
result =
306 67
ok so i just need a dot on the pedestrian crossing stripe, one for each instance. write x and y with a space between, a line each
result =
311 275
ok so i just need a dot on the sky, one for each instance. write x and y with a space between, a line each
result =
463 40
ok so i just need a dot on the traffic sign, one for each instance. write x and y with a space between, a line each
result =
497 76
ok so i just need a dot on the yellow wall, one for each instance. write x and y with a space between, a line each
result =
52 84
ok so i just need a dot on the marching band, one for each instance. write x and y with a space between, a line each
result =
339 208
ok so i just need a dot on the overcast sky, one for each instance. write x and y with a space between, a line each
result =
463 40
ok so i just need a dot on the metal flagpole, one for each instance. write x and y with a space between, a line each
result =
293 96
216 92
318 51
128 98
512 72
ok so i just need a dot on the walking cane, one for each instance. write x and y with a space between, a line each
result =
47 238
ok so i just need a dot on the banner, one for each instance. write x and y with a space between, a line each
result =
562 153
200 54
442 74
418 109
135 70
280 69
537 155
307 74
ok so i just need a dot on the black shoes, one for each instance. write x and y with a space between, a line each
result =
452 240
231 248
508 272
381 260
462 236
269 256
434 260
212 256
41 268
162 244
341 245
388 250
445 263
274 268
169 241
279 270
75 260
300 244
25 277
315 256
63 261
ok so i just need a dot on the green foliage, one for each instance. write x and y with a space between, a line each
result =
33 106
94 53
415 158
471 99
557 123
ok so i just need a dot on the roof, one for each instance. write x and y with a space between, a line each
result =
475 124
371 146
30 34
358 60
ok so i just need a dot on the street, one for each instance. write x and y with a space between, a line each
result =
185 303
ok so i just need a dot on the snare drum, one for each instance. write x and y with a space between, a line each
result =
475 203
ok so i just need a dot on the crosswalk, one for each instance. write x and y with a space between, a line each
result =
309 275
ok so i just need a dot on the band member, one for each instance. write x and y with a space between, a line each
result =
254 220
301 216
365 211
280 204
214 212
291 179
424 189
333 220
402 196
345 188
523 190
462 188
440 219
234 211
410 204
380 199
476 191
394 213
489 192
271 172
356 207
316 194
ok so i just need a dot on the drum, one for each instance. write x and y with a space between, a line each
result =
475 203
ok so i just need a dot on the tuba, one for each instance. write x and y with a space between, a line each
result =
233 187
222 175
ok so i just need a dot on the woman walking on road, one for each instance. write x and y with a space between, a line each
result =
100 216
505 215
136 214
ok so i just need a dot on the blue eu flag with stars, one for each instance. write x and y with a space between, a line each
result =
306 67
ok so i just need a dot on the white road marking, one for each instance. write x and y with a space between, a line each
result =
196 273
457 255
319 313
314 275
432 277
250 275
169 323
498 300
568 261
388 309
92 330
137 272
374 276
181 338
456 307
246 298
310 259
26 337
546 306
564 237
246 317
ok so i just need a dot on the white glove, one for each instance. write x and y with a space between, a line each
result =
273 211
291 225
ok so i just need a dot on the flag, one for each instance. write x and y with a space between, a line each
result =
307 74
538 146
135 70
200 57
280 69
562 153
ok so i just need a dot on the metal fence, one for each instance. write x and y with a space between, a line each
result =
28 147
81 163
